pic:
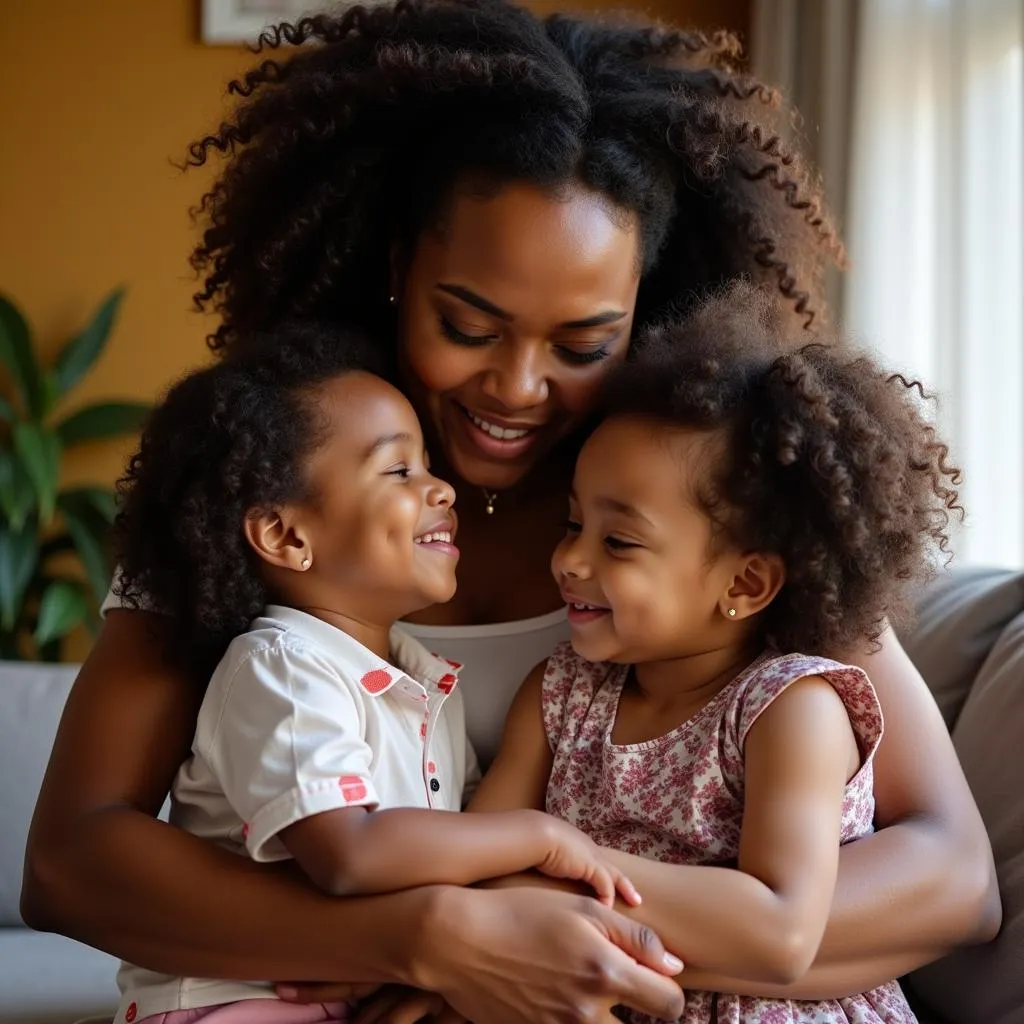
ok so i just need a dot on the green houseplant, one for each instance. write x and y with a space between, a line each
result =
44 530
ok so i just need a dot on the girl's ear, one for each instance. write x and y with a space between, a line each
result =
756 582
279 538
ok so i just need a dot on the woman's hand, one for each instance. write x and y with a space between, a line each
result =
577 858
532 956
400 1005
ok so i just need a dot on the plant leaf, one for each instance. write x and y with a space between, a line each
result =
105 419
18 553
39 450
81 351
63 607
101 499
17 355
17 495
90 530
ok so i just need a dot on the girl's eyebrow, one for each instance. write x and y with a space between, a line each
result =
467 295
383 442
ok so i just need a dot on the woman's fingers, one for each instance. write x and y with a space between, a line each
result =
326 992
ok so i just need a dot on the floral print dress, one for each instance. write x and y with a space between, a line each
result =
679 798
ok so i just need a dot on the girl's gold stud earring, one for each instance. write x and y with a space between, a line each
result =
306 563
732 613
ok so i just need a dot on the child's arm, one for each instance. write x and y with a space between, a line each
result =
519 775
283 735
765 921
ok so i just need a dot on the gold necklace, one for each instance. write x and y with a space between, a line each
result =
490 497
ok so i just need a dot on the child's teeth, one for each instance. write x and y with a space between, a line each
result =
500 433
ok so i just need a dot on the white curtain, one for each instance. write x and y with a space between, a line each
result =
936 238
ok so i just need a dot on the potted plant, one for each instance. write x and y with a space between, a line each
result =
45 530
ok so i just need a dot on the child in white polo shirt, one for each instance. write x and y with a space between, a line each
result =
281 512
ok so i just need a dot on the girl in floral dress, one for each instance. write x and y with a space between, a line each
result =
746 509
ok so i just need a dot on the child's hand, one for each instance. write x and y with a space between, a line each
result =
397 1004
573 855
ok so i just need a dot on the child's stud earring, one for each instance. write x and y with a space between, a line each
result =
732 613
392 299
305 563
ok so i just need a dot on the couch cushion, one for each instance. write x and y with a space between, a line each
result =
47 979
32 698
985 985
960 616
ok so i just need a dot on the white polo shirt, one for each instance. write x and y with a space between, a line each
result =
299 718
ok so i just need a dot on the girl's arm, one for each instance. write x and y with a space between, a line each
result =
918 887
102 870
765 921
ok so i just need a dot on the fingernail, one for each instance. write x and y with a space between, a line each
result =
286 992
673 963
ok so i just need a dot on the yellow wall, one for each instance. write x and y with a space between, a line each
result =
98 98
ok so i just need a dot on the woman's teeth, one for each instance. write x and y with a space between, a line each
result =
499 433
444 537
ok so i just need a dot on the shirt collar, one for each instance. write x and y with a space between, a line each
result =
409 657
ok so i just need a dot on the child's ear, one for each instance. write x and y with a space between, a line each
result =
278 538
757 580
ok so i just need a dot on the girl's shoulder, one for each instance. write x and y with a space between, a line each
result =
771 674
569 687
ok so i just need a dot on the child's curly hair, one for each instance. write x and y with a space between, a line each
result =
226 440
826 460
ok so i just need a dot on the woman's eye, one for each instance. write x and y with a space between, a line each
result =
452 333
582 357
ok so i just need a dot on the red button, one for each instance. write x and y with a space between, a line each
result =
131 1013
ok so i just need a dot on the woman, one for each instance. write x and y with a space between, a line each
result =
513 199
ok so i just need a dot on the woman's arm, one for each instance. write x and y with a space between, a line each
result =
101 869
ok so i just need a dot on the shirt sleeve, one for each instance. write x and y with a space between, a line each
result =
473 774
284 738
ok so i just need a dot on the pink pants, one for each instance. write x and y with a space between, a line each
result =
257 1011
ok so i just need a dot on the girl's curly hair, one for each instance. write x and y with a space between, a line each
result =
342 149
822 458
225 441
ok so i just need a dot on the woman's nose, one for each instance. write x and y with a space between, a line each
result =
517 380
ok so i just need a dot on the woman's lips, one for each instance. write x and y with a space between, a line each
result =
480 434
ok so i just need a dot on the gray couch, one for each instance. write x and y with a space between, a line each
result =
968 643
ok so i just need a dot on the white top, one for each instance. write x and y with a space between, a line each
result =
497 658
299 718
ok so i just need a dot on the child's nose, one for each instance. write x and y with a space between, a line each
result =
440 492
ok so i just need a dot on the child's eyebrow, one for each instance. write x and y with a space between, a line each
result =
614 505
383 442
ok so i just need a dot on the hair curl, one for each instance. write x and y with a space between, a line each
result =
225 441
341 149
820 457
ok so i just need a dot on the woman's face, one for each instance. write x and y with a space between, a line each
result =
511 312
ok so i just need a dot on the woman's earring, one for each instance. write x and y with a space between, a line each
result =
732 613
393 299
306 563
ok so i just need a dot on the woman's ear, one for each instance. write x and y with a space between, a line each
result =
278 538
754 585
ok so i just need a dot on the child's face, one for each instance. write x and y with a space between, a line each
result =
380 527
638 553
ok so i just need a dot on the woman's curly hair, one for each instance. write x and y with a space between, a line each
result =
342 149
821 458
226 441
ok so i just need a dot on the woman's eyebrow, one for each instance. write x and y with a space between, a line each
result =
467 295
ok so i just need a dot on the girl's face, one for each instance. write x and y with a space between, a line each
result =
379 527
637 566
511 312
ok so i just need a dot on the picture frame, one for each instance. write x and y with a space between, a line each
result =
234 22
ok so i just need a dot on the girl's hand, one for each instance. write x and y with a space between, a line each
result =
400 1005
576 857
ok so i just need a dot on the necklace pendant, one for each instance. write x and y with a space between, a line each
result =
490 497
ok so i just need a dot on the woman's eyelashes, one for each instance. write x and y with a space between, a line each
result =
574 356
